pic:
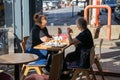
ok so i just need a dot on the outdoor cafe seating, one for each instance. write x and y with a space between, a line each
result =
95 59
17 60
38 68
83 71
55 70
37 65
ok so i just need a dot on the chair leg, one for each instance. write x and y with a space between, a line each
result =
22 77
25 73
81 77
23 68
87 75
76 72
91 70
99 68
38 70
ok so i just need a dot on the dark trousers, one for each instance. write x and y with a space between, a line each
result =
78 59
42 54
71 57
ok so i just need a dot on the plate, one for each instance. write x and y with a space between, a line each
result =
55 44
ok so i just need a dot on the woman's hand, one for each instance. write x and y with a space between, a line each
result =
59 31
46 39
69 30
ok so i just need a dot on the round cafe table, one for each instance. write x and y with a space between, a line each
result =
17 59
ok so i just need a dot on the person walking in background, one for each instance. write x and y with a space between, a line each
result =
38 35
65 3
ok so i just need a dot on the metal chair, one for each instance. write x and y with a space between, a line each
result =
34 66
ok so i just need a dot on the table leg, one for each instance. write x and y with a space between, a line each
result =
64 66
17 72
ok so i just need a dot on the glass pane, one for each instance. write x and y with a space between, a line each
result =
8 12
2 19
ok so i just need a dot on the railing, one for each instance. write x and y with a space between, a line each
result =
109 16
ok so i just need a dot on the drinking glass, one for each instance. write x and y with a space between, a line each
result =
64 28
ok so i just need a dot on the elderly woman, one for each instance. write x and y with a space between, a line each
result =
83 42
38 35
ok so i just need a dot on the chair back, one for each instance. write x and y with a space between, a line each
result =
92 55
23 43
100 45
98 55
56 66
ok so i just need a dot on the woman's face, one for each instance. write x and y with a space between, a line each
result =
79 27
43 22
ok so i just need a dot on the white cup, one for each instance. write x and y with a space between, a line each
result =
52 24
64 30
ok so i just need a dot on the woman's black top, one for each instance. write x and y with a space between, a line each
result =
35 35
86 40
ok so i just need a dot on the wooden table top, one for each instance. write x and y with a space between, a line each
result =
52 48
17 58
